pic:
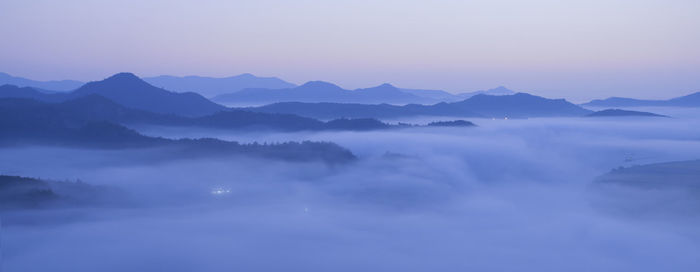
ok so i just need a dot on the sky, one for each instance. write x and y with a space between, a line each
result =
572 49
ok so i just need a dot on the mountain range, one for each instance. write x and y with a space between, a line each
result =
130 91
206 86
247 89
93 122
211 86
519 105
691 100
320 91
500 90
46 86
17 112
146 103
324 92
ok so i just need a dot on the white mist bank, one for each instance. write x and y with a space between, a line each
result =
505 196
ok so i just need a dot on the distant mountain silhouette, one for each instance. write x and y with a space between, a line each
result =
434 96
130 91
621 113
345 110
263 90
210 86
691 100
386 93
318 92
519 105
500 90
53 85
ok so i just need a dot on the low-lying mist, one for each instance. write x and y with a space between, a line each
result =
508 195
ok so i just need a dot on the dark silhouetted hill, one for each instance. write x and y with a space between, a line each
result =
106 135
31 193
17 112
519 105
22 193
356 124
682 175
622 113
130 91
12 91
455 123
210 86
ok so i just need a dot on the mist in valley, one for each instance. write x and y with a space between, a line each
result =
507 195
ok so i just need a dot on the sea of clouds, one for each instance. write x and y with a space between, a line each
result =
508 195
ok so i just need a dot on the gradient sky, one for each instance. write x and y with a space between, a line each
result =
572 49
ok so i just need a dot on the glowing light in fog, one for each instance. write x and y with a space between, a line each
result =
220 191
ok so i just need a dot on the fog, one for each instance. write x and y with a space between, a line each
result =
508 195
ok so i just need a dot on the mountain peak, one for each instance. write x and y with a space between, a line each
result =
246 75
123 76
319 84
500 90
129 90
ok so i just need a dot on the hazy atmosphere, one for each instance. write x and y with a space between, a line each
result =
575 49
349 136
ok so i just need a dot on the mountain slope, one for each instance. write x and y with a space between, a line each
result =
622 113
130 91
434 95
385 93
210 86
106 135
691 100
519 105
30 122
12 91
94 108
500 90
321 92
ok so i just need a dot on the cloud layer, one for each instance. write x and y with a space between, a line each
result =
509 195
